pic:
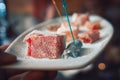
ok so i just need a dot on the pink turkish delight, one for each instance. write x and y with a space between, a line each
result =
42 45
80 19
93 25
64 28
90 36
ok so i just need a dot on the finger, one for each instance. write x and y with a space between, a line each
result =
41 75
18 77
2 48
6 58
12 72
35 75
31 75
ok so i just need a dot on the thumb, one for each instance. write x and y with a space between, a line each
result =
6 59
2 48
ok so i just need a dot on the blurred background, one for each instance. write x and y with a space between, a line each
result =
16 16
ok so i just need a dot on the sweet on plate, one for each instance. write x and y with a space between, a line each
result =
41 45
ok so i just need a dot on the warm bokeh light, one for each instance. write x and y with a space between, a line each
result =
101 66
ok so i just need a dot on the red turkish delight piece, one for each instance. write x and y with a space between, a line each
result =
93 26
45 46
90 36
64 28
80 19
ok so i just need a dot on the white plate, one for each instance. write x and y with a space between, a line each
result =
89 51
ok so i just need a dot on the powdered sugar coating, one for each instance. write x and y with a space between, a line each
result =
45 46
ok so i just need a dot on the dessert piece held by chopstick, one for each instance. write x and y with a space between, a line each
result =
65 29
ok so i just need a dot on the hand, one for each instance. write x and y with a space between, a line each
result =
10 74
